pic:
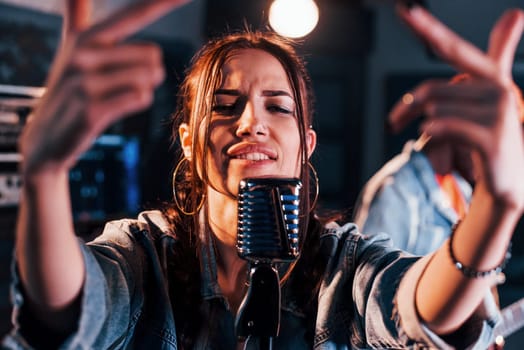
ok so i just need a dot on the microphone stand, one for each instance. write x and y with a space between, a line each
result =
259 313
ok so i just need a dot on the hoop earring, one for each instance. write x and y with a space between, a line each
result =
175 197
315 179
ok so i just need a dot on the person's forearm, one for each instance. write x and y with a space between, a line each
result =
49 258
445 297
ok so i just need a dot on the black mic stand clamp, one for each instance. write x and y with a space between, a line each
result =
259 313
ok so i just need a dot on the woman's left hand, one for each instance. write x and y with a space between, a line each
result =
481 112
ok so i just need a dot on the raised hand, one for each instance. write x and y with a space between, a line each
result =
482 111
95 80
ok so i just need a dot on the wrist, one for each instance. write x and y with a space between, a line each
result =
504 203
472 272
44 178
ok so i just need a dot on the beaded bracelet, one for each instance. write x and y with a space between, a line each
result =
469 271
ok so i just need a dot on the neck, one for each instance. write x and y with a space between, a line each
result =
223 217
231 269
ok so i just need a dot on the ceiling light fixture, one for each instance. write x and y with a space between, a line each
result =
293 18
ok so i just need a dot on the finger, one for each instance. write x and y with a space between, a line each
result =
430 93
130 20
458 131
504 39
481 114
77 16
106 111
497 148
449 46
101 84
91 59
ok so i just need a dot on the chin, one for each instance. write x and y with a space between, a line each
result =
257 173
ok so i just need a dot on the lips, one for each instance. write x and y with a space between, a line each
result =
253 152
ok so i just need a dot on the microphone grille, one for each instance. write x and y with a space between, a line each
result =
268 219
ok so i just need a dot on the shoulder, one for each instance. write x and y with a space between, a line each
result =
354 259
125 232
346 239
388 181
131 242
400 177
334 233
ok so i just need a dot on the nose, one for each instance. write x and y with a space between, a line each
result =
250 122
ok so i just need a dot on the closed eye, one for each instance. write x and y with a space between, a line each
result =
225 109
227 106
279 109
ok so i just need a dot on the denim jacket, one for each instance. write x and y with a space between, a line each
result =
404 200
366 298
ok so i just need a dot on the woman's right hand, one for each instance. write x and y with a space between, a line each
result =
95 80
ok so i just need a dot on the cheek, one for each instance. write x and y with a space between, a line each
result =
292 139
218 139
207 153
290 143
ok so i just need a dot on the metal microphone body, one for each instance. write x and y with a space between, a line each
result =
268 219
268 233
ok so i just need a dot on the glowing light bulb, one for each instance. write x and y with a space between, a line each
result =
293 18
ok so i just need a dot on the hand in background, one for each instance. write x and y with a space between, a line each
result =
96 79
481 112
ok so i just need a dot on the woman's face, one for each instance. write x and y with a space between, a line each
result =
254 129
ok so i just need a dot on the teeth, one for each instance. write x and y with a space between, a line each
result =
253 156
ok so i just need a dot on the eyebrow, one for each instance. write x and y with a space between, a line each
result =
268 93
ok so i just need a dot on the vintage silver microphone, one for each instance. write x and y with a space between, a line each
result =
268 233
268 218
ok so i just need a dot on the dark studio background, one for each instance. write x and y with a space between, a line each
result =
361 60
